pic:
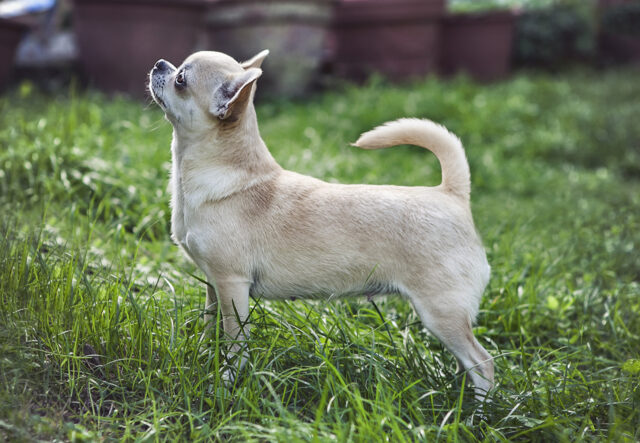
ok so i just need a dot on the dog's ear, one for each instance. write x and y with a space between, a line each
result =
256 60
231 98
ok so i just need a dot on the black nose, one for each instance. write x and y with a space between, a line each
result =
161 65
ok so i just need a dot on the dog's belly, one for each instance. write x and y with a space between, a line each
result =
278 291
367 267
309 268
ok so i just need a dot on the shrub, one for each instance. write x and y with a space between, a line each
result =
552 36
622 19
488 5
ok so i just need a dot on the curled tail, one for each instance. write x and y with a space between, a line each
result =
426 134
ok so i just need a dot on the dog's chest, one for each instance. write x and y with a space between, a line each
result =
204 231
178 224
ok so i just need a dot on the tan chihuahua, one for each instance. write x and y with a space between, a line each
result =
255 228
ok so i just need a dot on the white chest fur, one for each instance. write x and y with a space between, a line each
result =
199 179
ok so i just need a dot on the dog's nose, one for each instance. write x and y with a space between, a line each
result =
161 65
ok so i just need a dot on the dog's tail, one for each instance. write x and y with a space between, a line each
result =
427 134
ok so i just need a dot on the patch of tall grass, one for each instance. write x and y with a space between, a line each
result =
101 333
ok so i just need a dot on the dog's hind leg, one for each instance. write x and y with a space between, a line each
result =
451 324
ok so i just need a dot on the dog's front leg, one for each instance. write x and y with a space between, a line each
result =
233 296
210 307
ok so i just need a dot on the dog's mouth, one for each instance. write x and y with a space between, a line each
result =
158 99
154 88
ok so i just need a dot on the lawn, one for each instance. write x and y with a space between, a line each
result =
101 330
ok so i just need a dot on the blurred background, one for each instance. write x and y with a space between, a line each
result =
111 44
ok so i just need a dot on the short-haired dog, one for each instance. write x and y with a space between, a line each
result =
255 228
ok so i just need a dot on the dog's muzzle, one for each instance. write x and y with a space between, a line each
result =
157 80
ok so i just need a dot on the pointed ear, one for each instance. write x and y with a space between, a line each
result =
256 60
232 97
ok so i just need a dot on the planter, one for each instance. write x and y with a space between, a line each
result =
120 40
10 34
398 38
620 48
619 38
296 33
478 44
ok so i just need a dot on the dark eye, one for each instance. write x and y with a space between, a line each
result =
181 81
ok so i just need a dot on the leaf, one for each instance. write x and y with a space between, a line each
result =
631 366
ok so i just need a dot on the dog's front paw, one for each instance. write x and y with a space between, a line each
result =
227 382
228 378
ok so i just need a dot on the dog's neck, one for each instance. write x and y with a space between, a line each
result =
215 164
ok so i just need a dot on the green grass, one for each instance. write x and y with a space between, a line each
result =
101 316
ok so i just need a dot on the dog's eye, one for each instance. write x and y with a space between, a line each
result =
181 81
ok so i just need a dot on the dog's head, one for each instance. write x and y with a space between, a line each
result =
207 89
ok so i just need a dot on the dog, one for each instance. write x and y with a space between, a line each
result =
253 227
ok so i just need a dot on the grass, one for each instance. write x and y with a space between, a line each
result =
101 316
